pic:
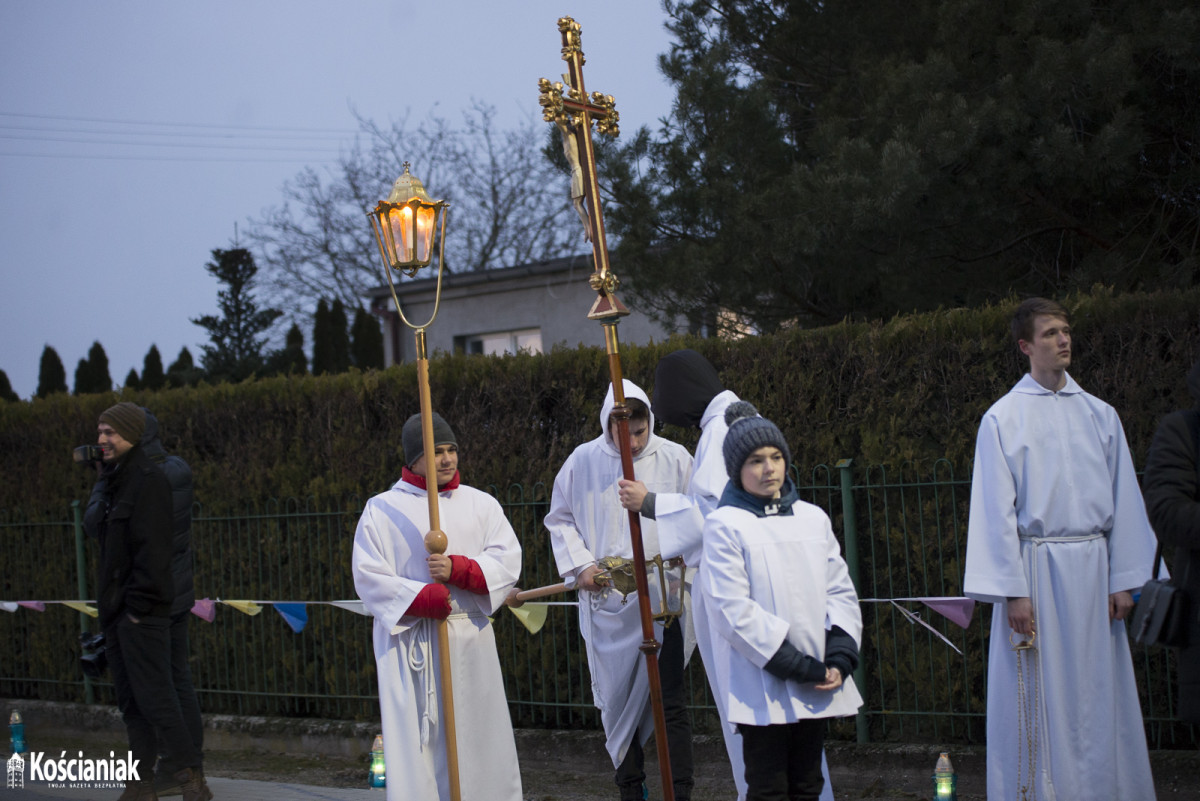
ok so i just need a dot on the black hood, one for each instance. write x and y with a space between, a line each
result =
1193 382
684 384
150 443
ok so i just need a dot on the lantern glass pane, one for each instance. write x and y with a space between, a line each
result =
401 223
424 227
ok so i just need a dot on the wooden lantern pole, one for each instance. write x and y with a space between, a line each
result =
435 542
435 539
573 112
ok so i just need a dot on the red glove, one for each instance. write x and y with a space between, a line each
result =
432 601
466 573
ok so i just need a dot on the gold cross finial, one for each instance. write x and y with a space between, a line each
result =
567 104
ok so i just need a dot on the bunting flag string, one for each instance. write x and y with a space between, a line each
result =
532 614
957 610
294 613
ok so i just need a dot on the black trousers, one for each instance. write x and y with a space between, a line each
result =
139 656
783 762
631 772
185 691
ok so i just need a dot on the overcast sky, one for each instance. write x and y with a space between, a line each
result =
134 135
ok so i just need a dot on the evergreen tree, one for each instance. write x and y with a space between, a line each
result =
291 359
183 371
323 348
366 341
52 376
236 344
832 159
339 336
91 374
131 380
98 369
6 390
83 378
153 376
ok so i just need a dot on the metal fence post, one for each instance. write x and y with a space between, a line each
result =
850 532
81 586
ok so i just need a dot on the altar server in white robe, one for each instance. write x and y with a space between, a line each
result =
1058 537
688 393
408 591
587 523
780 595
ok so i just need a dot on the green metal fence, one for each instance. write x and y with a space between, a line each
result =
903 533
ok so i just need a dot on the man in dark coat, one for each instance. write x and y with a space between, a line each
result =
135 593
1172 490
179 476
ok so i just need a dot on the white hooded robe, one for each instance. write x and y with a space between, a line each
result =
586 523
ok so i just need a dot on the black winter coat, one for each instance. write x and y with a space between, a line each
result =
1172 491
179 475
135 541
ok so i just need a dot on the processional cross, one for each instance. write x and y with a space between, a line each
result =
572 110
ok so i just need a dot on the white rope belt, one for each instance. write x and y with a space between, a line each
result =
1043 540
420 662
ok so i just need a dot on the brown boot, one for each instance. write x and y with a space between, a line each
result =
191 783
139 791
204 785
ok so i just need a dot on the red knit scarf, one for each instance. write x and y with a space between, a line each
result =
419 481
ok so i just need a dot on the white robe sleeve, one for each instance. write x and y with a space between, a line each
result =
681 516
1131 542
841 599
500 559
994 570
754 632
385 594
571 551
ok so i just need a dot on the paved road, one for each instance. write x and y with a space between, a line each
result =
223 790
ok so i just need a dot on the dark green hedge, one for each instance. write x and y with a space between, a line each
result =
909 389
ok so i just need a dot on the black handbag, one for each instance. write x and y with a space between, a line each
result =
1161 615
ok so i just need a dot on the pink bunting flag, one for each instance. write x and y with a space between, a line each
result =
39 606
957 610
205 609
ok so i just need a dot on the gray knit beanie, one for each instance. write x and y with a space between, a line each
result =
747 433
414 445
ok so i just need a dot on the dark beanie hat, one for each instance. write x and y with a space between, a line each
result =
747 433
411 440
684 384
127 419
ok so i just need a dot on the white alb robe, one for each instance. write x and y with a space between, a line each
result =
389 571
1057 516
771 579
586 523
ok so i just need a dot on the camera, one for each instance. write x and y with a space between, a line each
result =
87 454
94 661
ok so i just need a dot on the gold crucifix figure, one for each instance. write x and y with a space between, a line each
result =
570 108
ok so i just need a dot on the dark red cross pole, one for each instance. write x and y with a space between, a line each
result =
573 111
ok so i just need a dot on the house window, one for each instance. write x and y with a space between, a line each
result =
500 342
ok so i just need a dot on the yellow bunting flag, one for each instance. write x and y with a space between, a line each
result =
531 615
246 607
80 606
